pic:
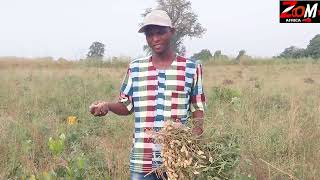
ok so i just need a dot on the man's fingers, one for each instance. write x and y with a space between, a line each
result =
198 131
98 108
99 102
93 109
92 106
97 111
95 103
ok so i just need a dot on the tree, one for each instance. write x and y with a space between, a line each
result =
217 54
204 55
293 52
241 54
96 51
242 58
183 19
313 49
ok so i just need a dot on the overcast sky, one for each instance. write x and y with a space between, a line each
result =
66 28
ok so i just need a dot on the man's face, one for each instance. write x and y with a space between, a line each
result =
158 38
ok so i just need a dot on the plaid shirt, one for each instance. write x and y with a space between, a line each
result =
155 96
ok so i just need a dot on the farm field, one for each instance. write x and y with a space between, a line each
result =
270 110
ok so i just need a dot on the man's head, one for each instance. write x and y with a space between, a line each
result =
159 31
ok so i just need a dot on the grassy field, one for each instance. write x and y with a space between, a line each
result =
271 109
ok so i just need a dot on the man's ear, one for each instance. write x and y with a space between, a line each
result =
173 30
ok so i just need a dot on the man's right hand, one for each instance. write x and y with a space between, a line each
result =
99 108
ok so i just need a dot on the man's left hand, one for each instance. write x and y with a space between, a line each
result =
197 131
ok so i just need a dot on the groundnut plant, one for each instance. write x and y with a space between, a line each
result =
188 157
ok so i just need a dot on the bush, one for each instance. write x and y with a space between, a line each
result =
223 94
227 150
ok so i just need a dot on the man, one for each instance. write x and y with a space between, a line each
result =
161 87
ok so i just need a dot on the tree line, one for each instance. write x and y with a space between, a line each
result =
312 50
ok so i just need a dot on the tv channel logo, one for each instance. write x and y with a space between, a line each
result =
299 11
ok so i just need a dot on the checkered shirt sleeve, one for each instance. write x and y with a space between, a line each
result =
126 91
197 97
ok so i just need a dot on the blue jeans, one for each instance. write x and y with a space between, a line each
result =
140 176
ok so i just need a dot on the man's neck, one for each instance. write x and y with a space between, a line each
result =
164 60
166 56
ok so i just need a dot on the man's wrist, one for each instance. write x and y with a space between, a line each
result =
106 104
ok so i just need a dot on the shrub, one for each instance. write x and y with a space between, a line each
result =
224 94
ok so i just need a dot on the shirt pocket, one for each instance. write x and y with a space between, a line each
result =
177 102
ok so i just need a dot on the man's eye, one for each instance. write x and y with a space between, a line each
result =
159 32
163 31
148 34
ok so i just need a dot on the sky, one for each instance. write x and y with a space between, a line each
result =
66 28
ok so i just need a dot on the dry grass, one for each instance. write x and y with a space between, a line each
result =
276 118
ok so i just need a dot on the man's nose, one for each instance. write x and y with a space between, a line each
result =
155 38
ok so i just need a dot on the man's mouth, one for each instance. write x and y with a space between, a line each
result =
157 46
